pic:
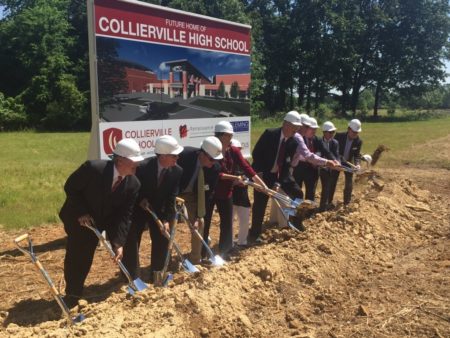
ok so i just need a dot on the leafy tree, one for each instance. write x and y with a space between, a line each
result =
12 114
234 90
221 89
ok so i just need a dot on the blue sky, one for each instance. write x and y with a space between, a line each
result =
209 63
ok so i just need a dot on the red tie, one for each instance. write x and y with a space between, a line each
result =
117 183
280 158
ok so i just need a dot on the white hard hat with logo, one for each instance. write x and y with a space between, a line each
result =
167 145
305 119
355 125
213 147
128 148
328 126
367 158
236 143
224 127
293 117
313 123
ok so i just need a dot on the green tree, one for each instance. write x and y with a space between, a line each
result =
234 90
221 89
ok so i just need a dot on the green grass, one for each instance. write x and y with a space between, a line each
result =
33 169
34 166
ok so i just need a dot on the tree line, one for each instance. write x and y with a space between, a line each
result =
339 55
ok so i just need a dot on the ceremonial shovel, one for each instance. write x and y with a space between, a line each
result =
133 285
216 260
37 263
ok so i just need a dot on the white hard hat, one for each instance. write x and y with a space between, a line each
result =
367 158
313 123
213 147
167 145
223 127
128 148
355 125
328 126
294 118
236 143
305 119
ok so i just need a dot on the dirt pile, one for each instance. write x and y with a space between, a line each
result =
376 269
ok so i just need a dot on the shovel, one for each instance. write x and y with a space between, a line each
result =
133 285
185 263
286 212
215 260
37 263
162 278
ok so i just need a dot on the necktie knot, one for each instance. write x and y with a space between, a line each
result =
117 183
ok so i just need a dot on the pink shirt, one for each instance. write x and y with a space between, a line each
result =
303 154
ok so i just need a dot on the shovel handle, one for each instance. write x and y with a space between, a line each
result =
21 238
232 177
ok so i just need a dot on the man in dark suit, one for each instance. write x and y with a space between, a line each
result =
100 193
349 151
160 179
272 155
200 172
329 143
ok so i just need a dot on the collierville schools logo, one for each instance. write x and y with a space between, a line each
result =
183 131
111 137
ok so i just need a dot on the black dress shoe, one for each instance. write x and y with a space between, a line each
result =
71 301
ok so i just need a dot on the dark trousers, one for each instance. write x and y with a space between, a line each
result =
80 249
289 186
259 206
348 187
325 181
225 208
308 175
131 248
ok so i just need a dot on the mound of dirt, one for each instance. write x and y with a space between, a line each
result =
378 268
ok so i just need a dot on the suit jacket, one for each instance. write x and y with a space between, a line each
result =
266 149
332 153
355 151
162 197
88 191
187 160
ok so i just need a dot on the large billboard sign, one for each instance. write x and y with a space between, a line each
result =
158 71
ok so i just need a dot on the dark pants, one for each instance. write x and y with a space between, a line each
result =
289 186
348 187
325 181
225 208
308 175
131 248
80 249
259 206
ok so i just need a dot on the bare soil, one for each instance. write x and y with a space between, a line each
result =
379 268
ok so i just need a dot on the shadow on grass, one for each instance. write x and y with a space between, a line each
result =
30 312
56 244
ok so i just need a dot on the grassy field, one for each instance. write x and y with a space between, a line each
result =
34 166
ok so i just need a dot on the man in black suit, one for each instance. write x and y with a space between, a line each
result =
101 193
200 172
272 155
160 179
349 151
329 143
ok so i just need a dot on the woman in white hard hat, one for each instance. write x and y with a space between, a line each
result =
99 193
329 143
160 179
232 156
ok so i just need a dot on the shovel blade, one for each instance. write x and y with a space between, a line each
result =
217 260
78 319
139 284
189 267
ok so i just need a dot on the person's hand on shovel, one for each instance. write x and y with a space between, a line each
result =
166 227
85 220
333 163
144 204
118 250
